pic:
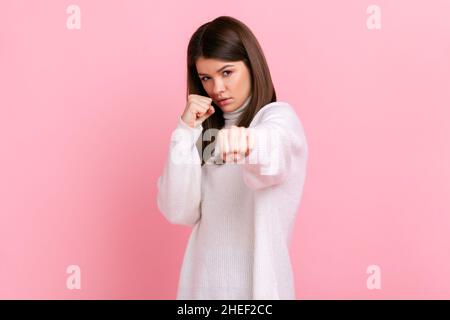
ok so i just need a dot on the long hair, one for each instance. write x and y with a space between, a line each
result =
228 39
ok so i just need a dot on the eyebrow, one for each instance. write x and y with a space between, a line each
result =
225 66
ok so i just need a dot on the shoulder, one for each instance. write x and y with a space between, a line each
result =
277 111
282 117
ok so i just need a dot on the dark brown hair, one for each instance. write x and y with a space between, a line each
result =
228 39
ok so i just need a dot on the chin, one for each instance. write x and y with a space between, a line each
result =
228 107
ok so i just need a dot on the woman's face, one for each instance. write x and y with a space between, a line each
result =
225 79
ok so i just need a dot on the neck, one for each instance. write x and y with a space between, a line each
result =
232 117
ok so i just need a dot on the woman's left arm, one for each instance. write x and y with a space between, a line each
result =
277 137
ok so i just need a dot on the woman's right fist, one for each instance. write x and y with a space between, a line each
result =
198 109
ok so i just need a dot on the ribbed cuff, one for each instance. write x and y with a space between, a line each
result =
185 125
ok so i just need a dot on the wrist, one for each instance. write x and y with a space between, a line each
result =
186 122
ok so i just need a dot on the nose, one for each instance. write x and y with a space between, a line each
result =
219 87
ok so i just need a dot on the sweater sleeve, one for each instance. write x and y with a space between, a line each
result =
277 136
179 186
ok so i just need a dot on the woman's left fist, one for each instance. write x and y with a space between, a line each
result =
235 143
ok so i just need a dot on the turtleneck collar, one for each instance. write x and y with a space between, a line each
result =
233 116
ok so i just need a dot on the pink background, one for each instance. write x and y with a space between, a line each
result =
86 117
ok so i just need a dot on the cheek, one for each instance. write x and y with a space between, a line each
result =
242 80
207 87
234 82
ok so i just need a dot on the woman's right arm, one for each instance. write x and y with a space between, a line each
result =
179 186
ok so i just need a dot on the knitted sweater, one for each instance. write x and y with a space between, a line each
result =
242 214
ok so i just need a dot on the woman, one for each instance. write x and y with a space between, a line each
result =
240 192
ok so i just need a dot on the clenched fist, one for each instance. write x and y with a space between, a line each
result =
198 109
235 143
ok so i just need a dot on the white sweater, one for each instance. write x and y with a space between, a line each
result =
242 214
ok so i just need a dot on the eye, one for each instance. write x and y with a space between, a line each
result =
206 78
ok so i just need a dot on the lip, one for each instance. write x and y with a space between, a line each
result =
224 102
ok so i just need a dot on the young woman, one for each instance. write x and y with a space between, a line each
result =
241 191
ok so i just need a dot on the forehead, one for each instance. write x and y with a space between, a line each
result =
209 65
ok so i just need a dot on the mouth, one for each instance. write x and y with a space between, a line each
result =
224 101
